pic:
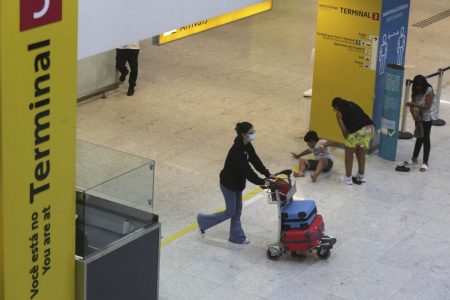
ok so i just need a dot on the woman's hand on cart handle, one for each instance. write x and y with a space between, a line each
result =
268 183
265 185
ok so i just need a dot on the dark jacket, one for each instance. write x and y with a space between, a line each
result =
354 117
237 166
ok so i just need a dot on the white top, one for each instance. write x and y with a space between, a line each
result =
134 45
321 152
427 114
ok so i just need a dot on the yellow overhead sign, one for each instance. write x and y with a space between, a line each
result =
38 65
214 22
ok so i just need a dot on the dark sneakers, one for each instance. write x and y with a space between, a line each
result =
130 91
356 180
402 168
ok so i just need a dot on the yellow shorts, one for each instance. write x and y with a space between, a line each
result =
360 138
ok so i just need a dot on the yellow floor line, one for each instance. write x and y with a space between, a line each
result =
194 226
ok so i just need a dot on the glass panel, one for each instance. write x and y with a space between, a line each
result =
110 184
96 72
97 164
134 186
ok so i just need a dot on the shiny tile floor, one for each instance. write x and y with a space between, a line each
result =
392 231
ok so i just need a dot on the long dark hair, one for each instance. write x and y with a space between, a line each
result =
421 81
339 103
243 127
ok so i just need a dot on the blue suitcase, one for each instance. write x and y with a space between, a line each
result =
298 214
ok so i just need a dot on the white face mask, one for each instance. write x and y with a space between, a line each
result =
250 137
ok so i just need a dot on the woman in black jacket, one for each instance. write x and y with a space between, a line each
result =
232 182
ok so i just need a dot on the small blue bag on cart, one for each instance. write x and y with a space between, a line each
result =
298 214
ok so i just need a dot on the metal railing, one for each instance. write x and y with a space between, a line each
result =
101 91
403 134
97 75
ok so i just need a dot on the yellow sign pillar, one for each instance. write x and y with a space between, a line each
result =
345 60
38 57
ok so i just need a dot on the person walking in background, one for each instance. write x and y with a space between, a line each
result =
423 110
357 129
323 160
233 177
128 53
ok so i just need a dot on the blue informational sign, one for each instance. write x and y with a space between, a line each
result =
391 47
391 111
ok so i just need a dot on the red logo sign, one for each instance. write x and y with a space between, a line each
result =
376 16
34 13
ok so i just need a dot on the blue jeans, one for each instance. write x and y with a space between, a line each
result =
233 201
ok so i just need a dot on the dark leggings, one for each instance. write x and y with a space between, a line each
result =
425 141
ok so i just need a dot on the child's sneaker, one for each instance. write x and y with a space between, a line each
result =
361 177
348 180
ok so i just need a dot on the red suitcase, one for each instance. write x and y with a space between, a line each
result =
297 240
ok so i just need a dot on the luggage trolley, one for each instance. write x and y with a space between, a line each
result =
281 191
